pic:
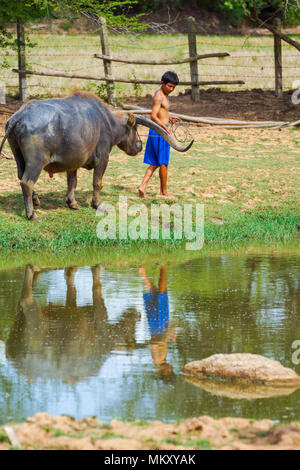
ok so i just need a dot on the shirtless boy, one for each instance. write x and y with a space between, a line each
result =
157 150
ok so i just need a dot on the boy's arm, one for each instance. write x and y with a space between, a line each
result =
155 111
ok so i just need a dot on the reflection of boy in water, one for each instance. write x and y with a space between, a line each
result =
157 310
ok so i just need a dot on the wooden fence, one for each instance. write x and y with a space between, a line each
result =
193 59
107 59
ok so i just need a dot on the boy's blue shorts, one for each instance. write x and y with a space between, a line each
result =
157 311
157 151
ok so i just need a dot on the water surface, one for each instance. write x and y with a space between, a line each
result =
112 341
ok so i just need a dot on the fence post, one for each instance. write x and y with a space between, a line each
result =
2 93
21 61
193 53
278 59
106 63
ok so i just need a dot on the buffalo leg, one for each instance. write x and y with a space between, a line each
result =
18 156
71 289
31 276
30 176
97 182
97 288
72 183
101 316
21 167
35 199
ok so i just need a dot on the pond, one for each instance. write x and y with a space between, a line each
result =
111 341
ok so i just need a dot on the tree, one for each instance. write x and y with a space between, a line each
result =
263 10
13 11
282 7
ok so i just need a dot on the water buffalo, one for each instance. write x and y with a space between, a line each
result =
65 134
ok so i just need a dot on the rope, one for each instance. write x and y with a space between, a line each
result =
181 131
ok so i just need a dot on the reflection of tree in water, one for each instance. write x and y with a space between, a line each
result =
240 304
67 342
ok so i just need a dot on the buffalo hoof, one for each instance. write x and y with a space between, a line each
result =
72 205
35 217
95 205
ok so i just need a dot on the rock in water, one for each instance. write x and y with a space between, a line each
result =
243 367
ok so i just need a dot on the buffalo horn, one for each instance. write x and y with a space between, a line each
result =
169 138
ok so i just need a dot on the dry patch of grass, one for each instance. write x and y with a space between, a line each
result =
43 431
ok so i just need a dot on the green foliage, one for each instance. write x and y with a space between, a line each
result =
102 90
3 437
233 11
154 5
236 10
137 87
12 11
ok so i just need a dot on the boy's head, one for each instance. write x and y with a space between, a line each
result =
169 80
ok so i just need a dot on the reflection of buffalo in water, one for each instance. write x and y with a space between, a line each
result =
66 342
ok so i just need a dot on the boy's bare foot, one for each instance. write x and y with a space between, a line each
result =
168 195
142 192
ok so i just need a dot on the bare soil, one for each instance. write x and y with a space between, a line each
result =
248 105
43 431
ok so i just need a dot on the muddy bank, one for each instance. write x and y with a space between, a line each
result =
43 431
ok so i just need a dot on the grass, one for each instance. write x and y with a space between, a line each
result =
251 59
248 181
4 437
111 435
59 433
200 444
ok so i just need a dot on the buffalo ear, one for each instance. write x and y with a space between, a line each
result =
131 120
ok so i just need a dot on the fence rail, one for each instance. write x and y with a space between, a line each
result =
161 62
240 66
124 80
107 59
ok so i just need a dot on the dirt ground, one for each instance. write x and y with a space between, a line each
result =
248 105
204 433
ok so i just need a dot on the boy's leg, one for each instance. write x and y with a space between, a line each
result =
163 175
163 280
149 172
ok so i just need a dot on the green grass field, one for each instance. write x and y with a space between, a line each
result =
248 181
